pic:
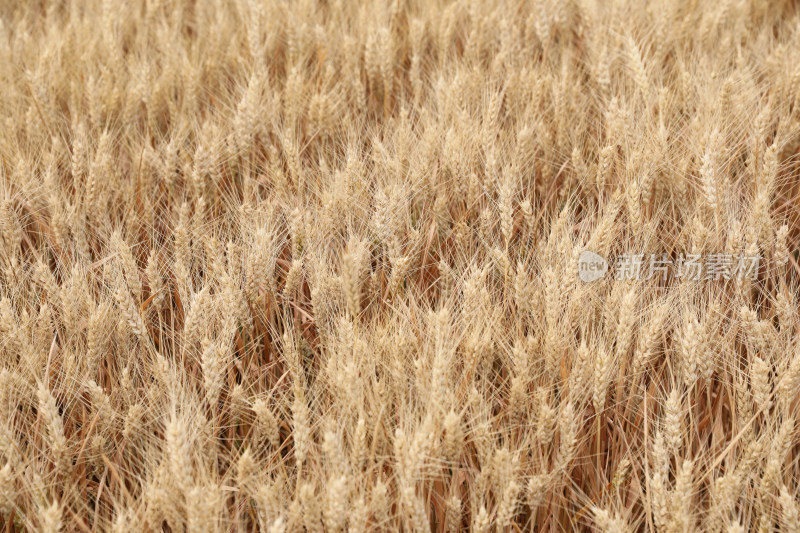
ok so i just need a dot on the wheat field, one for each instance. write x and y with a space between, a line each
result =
316 265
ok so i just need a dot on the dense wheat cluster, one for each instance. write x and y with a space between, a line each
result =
312 266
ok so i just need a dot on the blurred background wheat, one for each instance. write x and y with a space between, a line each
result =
311 266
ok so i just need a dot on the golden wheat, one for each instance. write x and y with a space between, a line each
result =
314 265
